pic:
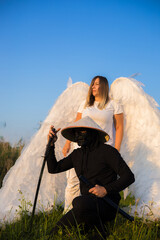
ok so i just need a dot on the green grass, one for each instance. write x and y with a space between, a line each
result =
43 222
8 156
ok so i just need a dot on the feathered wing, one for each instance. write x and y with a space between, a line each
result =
140 148
23 176
141 142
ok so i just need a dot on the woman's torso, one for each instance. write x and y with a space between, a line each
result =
104 117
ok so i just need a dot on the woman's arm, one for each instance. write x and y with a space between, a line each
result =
118 123
67 145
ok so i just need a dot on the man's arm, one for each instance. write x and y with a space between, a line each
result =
60 166
52 164
126 177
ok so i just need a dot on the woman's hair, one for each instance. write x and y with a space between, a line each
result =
103 92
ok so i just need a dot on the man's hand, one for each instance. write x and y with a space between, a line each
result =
98 190
52 134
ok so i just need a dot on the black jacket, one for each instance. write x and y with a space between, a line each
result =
101 165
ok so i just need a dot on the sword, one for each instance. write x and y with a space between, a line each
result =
51 139
108 200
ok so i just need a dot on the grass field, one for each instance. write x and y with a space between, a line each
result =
43 222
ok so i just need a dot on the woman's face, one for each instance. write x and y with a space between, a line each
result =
95 88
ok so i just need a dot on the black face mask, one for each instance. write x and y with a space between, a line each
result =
83 137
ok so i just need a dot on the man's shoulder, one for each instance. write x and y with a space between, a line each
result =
76 150
107 147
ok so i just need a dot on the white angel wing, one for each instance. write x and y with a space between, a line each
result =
24 175
141 142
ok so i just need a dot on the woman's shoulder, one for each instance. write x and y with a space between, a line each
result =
116 106
112 101
110 104
81 107
83 103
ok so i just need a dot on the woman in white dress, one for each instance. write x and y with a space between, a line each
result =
107 114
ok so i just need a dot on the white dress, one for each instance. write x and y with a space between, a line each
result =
104 118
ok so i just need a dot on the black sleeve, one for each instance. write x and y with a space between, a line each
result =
60 166
126 177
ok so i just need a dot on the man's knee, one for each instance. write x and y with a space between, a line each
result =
80 204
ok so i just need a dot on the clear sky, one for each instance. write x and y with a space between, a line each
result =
44 42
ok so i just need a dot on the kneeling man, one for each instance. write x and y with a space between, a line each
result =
100 164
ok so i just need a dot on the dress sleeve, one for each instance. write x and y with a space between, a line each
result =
117 108
81 107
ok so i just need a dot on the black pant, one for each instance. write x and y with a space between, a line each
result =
90 210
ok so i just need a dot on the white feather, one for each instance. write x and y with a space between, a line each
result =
141 142
24 174
69 83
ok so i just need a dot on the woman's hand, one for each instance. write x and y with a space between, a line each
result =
66 148
52 134
98 190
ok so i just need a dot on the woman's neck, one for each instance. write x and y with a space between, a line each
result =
97 99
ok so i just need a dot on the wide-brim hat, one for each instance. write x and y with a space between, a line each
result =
85 123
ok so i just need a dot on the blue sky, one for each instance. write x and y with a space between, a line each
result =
43 43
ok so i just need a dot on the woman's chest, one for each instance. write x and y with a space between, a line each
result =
98 115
